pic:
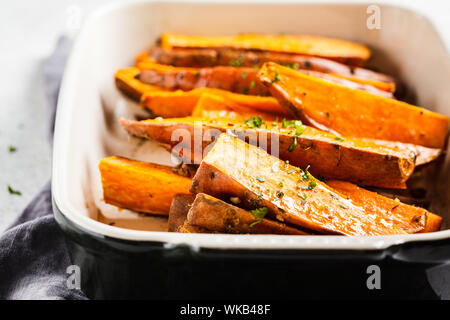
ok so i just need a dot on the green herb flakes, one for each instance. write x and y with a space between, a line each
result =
276 78
293 145
254 122
14 192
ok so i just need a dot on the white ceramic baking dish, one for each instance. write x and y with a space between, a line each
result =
407 46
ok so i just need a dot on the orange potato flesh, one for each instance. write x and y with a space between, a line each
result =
174 104
348 112
374 202
234 168
210 106
140 186
335 49
132 87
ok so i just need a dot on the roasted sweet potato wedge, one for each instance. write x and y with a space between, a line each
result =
200 58
235 169
134 88
376 202
238 80
179 208
216 215
140 186
336 108
335 49
363 161
174 104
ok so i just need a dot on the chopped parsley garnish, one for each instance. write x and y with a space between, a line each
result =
339 138
244 75
260 178
281 184
291 65
297 124
312 184
259 212
12 149
254 122
12 191
276 78
306 174
236 63
293 145
252 84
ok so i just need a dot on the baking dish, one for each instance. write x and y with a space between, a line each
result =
87 129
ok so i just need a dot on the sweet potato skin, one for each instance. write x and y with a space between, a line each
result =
234 168
361 161
200 58
140 186
335 49
238 80
331 107
179 209
216 215
174 104
375 202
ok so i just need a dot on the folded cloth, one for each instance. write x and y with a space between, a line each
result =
33 253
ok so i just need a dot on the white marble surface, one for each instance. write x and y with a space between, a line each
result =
28 33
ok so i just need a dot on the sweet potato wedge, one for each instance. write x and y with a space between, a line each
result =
174 104
335 49
216 215
238 80
363 161
235 169
179 208
133 88
376 202
140 186
200 58
348 112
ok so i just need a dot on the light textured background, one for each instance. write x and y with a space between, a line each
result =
28 33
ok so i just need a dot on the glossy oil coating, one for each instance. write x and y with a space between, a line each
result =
234 168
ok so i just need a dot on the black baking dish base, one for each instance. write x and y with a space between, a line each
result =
120 269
